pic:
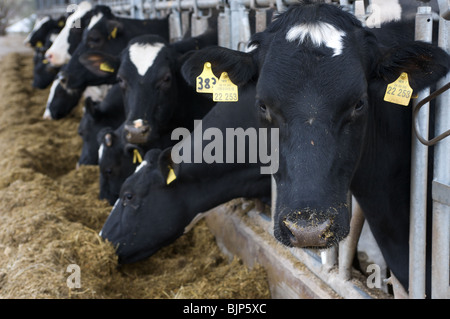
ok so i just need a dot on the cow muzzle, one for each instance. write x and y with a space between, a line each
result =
315 229
138 132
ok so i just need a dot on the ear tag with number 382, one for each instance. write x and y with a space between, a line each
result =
225 90
399 91
206 80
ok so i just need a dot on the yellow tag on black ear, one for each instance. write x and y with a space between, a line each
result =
61 24
225 90
399 91
206 80
105 67
45 61
137 158
171 176
113 34
39 44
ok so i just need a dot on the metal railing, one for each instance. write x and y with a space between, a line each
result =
234 31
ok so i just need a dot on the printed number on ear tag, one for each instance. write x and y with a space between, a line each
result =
225 90
399 91
206 80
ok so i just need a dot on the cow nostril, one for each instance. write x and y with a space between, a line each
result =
308 235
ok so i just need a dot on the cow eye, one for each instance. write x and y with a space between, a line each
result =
122 82
360 105
127 197
108 171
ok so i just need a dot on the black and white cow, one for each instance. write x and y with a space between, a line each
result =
117 160
157 99
70 36
41 38
43 28
108 34
61 101
99 115
156 207
322 80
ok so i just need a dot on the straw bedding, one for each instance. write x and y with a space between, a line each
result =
50 217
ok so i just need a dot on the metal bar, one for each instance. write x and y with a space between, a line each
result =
419 175
347 247
441 209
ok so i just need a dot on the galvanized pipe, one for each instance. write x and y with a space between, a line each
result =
419 176
441 184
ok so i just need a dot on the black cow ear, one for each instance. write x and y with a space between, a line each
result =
424 63
106 136
240 66
100 64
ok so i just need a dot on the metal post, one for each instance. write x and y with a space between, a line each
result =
419 168
441 185
137 9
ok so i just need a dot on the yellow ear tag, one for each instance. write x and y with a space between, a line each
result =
45 61
171 177
225 90
39 44
105 67
137 158
61 24
399 91
206 80
113 34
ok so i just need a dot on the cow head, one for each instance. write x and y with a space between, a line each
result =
145 217
70 36
43 72
148 76
116 160
103 34
61 101
42 28
315 67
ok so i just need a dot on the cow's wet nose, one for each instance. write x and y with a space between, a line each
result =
137 132
308 234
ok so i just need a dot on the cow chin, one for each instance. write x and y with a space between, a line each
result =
310 228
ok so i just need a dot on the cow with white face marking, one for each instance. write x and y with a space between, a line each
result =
61 101
41 38
157 99
107 34
322 78
70 36
98 115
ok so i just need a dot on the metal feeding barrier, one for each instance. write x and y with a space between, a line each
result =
334 266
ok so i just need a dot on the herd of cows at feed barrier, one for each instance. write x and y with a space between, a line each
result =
316 77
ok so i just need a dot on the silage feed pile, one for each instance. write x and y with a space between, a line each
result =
50 217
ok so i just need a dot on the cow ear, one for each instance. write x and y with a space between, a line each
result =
100 64
106 136
424 63
167 167
114 28
239 65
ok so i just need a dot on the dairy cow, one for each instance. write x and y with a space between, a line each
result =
108 34
99 115
161 199
322 78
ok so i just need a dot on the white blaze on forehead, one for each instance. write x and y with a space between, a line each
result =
97 93
39 23
100 151
319 33
94 20
141 166
143 55
47 114
59 51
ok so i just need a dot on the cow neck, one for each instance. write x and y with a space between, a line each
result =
133 28
203 195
